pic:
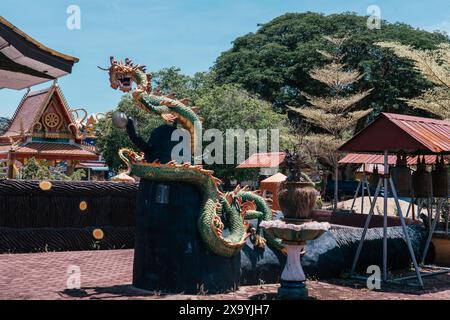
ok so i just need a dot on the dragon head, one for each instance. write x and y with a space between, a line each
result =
122 74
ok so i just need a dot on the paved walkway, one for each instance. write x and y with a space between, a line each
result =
108 274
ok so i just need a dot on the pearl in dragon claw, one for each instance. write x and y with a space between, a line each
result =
119 120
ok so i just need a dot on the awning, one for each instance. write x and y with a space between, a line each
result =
364 158
25 62
93 165
263 160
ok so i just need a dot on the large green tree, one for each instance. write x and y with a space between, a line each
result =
222 107
111 139
3 125
230 107
275 61
435 66
333 113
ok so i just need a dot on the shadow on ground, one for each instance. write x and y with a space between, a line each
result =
432 284
117 291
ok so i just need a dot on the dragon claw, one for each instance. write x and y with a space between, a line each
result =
168 117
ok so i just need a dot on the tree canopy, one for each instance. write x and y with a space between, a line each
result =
334 112
230 107
222 107
111 139
435 66
275 61
3 125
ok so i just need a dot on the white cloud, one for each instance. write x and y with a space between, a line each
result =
442 26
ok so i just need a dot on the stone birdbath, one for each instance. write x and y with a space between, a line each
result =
294 235
297 198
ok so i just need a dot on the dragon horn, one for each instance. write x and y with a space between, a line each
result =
111 59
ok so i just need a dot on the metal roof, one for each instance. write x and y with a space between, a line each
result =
263 160
364 158
395 132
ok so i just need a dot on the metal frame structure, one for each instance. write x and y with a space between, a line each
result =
414 136
387 182
363 185
434 223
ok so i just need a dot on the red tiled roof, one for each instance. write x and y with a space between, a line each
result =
263 160
276 178
49 150
364 158
31 107
27 111
394 132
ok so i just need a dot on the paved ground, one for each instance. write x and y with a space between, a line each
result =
108 274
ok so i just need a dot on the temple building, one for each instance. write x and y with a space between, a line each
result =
43 127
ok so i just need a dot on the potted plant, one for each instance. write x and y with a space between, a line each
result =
297 196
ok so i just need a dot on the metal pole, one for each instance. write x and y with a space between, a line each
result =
356 194
385 210
433 227
446 217
366 226
429 212
336 185
409 208
405 231
420 206
362 188
368 190
362 197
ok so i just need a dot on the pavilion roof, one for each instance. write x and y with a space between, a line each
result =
263 160
396 133
276 178
364 158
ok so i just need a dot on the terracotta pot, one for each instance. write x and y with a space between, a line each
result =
297 199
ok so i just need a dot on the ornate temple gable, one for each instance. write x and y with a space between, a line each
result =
42 114
54 120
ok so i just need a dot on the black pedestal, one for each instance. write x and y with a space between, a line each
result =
169 254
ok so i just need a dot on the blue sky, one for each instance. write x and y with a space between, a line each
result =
189 34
